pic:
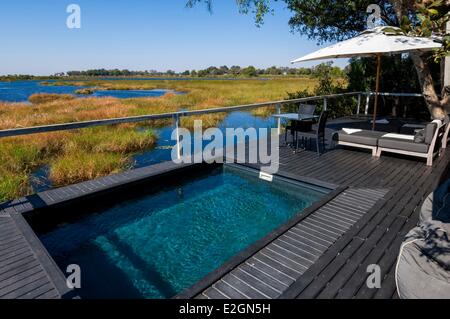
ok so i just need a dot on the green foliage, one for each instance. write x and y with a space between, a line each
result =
400 77
259 8
331 20
338 107
327 69
430 19
250 71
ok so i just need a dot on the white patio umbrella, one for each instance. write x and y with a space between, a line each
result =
374 42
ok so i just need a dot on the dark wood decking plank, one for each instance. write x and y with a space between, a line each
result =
28 285
213 293
348 280
269 279
314 287
387 265
277 270
374 237
257 284
229 291
46 291
408 204
327 261
390 254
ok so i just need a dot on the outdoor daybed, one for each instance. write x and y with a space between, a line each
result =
358 138
425 144
423 266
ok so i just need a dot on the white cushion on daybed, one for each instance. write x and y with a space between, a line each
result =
351 130
400 136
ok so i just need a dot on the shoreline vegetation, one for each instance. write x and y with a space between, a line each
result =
80 155
212 72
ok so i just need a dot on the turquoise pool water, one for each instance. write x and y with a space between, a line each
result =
160 244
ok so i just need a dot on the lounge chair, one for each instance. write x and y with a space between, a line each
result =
405 144
358 138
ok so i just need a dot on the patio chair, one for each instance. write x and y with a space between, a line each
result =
407 145
304 125
318 134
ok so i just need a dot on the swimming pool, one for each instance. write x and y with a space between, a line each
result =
158 244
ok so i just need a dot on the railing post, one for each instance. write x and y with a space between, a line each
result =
177 132
446 75
367 104
359 105
325 104
279 119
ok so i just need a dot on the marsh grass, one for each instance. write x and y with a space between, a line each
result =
72 156
80 155
42 98
85 91
13 185
85 166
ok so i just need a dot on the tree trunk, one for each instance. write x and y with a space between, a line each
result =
438 108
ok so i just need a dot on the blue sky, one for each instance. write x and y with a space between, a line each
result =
141 35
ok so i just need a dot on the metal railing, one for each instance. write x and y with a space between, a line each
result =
174 115
177 115
370 94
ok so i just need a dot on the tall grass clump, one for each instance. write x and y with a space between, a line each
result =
98 152
84 166
72 156
13 185
42 98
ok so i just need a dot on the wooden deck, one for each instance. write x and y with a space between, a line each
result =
327 254
26 270
324 254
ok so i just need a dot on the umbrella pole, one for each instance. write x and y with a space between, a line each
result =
377 90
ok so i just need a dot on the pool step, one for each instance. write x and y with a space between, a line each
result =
273 269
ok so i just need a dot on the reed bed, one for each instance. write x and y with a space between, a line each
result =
80 155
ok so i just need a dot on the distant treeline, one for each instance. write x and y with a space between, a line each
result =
25 77
212 71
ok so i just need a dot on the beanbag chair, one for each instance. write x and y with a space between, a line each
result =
423 266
